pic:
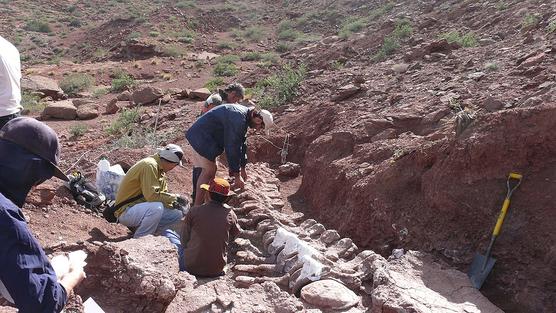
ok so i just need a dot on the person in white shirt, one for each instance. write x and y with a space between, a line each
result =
10 82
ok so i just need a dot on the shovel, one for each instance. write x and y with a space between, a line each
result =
483 264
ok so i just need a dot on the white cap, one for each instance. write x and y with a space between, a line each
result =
215 99
267 120
171 153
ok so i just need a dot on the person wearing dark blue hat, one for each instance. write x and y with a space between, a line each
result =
29 155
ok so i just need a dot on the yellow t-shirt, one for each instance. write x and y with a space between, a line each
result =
145 177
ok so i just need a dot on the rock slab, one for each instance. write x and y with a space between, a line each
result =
329 294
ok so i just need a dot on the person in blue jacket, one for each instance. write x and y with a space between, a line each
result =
29 154
224 128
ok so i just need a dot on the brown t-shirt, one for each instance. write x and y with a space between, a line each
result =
206 233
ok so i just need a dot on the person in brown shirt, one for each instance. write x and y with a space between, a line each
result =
207 230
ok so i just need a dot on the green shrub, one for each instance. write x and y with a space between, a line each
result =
228 59
75 22
283 47
350 26
124 122
501 6
254 33
214 83
251 56
225 69
226 45
185 39
389 45
78 130
380 11
286 31
288 34
403 29
491 66
281 87
464 40
173 51
122 81
133 35
38 26
31 102
529 21
185 4
76 82
154 33
551 27
101 91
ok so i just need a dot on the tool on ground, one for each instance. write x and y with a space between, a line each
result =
483 264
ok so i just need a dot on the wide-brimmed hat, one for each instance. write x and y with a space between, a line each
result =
37 138
219 186
171 153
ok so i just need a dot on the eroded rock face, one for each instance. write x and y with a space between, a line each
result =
146 95
142 275
416 283
220 296
64 110
44 85
329 294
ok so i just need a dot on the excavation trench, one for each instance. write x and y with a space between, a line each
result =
282 262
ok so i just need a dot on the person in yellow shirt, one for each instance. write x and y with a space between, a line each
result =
152 210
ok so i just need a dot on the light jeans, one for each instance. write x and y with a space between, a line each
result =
175 240
149 217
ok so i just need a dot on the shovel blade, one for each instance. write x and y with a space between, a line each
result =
479 270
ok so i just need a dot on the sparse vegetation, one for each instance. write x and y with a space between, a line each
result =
465 40
154 33
254 33
529 21
31 102
78 130
214 83
491 66
173 51
391 42
251 56
226 45
403 29
389 45
380 11
75 22
501 6
125 121
122 81
350 26
76 82
99 92
281 87
185 4
283 47
38 26
286 31
225 69
551 27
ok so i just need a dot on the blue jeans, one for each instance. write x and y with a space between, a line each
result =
175 239
149 217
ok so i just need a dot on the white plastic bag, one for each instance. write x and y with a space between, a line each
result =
109 178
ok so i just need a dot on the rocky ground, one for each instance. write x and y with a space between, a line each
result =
405 119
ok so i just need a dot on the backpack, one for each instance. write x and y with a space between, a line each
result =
84 192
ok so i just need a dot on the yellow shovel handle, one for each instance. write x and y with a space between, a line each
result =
501 217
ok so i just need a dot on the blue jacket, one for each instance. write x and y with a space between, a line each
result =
24 267
223 128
